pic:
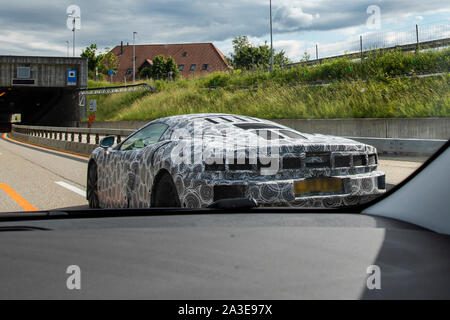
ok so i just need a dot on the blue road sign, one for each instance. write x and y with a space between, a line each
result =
71 77
93 105
111 72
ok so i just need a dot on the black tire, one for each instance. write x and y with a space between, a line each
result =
165 193
92 186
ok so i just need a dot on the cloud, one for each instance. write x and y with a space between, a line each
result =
294 48
37 27
290 17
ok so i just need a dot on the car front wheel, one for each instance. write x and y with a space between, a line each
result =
165 193
92 186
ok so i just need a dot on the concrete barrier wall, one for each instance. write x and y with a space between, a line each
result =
71 146
414 128
116 124
404 147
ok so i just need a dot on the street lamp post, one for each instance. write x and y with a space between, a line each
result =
67 43
271 39
134 57
73 21
73 30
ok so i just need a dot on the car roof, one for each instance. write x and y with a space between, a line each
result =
215 119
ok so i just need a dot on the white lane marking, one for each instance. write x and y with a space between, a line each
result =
71 188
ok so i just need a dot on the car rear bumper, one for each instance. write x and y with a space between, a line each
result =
354 190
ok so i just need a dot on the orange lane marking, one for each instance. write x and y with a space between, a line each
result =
17 198
5 137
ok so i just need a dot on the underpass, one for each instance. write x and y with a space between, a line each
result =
46 179
42 90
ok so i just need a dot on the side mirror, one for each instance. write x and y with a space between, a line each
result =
107 142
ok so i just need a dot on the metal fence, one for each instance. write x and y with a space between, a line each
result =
423 36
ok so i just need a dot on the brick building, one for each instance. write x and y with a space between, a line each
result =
193 59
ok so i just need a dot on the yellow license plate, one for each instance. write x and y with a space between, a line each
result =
319 185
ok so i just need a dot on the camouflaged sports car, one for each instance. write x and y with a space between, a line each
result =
195 160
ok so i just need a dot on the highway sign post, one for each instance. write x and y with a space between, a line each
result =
111 73
93 105
91 119
92 108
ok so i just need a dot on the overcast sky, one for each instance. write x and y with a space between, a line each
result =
38 27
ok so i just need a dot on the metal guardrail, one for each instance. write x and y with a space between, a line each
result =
81 135
118 89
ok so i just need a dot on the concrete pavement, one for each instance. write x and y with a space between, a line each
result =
47 180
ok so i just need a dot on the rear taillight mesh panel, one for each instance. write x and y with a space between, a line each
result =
318 160
359 160
342 162
292 163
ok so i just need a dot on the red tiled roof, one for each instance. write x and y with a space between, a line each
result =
195 53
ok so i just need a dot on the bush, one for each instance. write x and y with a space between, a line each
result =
217 79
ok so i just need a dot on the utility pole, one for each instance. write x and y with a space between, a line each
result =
73 54
271 39
417 38
134 57
361 47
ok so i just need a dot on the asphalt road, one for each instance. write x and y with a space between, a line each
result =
33 178
35 175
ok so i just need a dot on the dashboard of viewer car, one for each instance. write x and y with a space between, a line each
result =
240 253
259 255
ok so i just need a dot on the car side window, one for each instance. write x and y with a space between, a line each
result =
144 137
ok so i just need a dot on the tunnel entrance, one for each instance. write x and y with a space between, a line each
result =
38 106
41 91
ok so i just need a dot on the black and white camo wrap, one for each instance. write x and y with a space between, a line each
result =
126 178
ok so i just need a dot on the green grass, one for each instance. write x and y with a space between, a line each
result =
405 98
358 90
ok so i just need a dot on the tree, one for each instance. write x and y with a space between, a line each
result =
172 68
146 72
280 59
248 56
109 61
306 57
103 62
161 68
91 54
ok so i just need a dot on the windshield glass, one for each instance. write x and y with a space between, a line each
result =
145 137
303 104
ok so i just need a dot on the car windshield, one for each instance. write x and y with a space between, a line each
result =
145 137
299 104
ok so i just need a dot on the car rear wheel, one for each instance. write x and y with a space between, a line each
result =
165 193
92 186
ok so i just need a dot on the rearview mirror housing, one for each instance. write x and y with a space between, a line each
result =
107 142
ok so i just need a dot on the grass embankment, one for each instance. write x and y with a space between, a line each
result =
357 90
